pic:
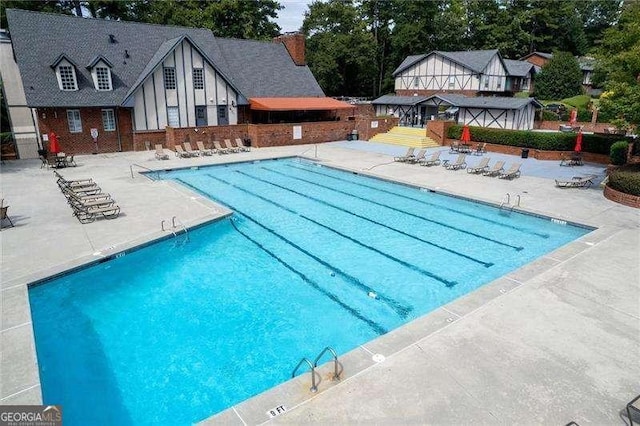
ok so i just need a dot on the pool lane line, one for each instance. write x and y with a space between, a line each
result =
401 310
360 243
484 219
417 216
374 326
399 231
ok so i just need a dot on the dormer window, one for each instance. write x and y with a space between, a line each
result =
67 77
103 78
100 69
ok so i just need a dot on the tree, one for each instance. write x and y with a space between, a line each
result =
54 6
618 67
560 78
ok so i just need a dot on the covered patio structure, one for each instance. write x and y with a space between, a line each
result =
411 110
295 110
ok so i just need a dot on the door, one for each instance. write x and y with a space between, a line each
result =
201 116
223 119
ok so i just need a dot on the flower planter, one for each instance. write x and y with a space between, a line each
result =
621 197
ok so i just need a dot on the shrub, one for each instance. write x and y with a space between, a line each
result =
549 115
584 115
618 153
550 141
626 179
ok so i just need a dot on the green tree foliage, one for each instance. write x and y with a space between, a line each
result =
560 78
340 48
618 67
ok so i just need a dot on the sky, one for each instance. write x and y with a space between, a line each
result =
290 18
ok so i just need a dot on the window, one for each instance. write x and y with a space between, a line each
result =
525 83
499 85
108 120
486 81
75 124
174 116
169 78
67 77
416 81
198 79
103 78
452 82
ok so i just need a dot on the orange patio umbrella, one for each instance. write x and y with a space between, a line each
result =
578 147
466 134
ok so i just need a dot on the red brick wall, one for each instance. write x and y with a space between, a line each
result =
263 135
205 134
151 136
55 120
621 197
295 44
437 130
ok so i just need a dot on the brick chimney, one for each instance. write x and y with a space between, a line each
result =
294 42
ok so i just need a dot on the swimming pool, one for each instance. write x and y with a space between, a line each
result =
177 331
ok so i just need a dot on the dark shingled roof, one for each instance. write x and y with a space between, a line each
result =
475 60
398 100
518 68
40 38
485 101
265 69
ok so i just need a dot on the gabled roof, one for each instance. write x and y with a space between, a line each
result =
541 54
398 100
519 68
475 60
254 69
265 69
485 101
98 59
60 58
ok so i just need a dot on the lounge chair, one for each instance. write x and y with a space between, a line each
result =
495 170
455 147
4 216
160 154
405 157
418 157
230 148
480 149
182 153
192 152
70 161
89 214
458 164
434 160
513 172
220 149
241 146
576 182
203 150
482 167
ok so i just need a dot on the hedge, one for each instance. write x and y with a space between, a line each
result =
548 141
626 179
618 154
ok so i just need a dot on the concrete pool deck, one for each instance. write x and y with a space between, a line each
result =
554 341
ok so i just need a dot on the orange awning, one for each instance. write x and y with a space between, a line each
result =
297 104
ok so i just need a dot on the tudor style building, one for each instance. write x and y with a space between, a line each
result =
473 87
471 73
123 78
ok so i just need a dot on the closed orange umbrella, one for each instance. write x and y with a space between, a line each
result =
578 147
466 134
53 143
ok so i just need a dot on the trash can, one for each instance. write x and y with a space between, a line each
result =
247 142
525 153
354 135
348 136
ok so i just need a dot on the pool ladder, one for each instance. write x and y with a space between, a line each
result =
506 203
314 365
176 227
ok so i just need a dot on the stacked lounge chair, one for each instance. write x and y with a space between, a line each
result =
87 199
576 182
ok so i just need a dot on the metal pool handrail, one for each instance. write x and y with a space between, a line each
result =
314 388
336 374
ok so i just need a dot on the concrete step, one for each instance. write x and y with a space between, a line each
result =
404 140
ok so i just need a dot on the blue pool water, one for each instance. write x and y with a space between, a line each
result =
175 332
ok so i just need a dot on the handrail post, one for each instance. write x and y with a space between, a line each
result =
336 375
314 388
162 225
173 222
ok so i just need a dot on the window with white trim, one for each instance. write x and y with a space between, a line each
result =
108 120
73 118
173 114
416 81
486 81
67 77
198 79
169 78
103 78
452 82
525 83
